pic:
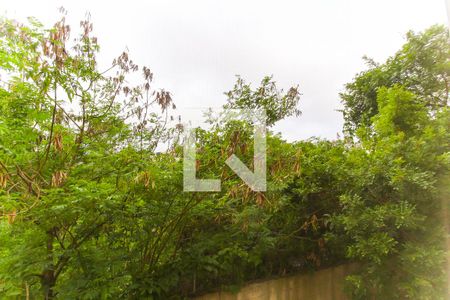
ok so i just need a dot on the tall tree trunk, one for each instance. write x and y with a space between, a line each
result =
48 279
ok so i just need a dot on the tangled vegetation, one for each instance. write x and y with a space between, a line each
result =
91 210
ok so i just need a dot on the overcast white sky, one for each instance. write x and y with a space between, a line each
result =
195 48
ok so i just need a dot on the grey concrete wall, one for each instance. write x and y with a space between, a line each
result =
325 284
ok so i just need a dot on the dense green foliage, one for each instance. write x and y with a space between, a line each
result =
421 66
90 209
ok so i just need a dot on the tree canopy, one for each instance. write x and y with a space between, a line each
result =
420 66
91 210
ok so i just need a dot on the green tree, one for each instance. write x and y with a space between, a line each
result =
267 97
391 217
420 66
90 209
68 133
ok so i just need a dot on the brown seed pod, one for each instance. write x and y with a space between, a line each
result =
3 180
260 199
58 178
146 179
12 217
57 142
297 168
